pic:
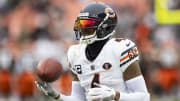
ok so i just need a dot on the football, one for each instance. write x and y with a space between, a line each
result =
49 70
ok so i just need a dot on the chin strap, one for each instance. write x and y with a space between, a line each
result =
88 39
92 38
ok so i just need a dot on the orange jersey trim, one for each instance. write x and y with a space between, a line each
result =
124 58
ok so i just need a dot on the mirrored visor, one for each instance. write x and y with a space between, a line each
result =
86 23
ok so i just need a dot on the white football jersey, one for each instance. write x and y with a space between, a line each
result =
108 67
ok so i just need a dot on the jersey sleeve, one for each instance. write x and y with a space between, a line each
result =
69 60
128 55
70 57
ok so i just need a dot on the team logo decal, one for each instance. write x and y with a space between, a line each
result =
107 66
110 12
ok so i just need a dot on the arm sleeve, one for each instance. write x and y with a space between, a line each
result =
137 90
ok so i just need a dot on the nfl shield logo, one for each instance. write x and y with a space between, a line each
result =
92 67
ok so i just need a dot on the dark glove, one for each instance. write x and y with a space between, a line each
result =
45 88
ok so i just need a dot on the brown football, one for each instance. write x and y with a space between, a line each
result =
49 70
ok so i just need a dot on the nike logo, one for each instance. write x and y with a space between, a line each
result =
127 44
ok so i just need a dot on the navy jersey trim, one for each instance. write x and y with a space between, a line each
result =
128 50
128 60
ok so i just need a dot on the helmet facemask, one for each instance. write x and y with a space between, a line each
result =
86 29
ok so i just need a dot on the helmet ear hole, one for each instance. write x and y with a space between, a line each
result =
104 25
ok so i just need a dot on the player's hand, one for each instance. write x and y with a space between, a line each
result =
102 93
45 88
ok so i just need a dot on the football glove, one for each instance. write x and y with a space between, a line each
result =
45 88
102 93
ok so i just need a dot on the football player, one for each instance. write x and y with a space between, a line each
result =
107 68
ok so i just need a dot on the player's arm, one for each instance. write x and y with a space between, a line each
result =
132 76
46 88
135 84
132 71
74 76
49 91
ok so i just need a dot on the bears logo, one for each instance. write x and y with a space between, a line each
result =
107 66
110 12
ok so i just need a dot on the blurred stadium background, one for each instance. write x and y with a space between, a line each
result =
31 30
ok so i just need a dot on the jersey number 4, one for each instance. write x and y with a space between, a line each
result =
96 79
